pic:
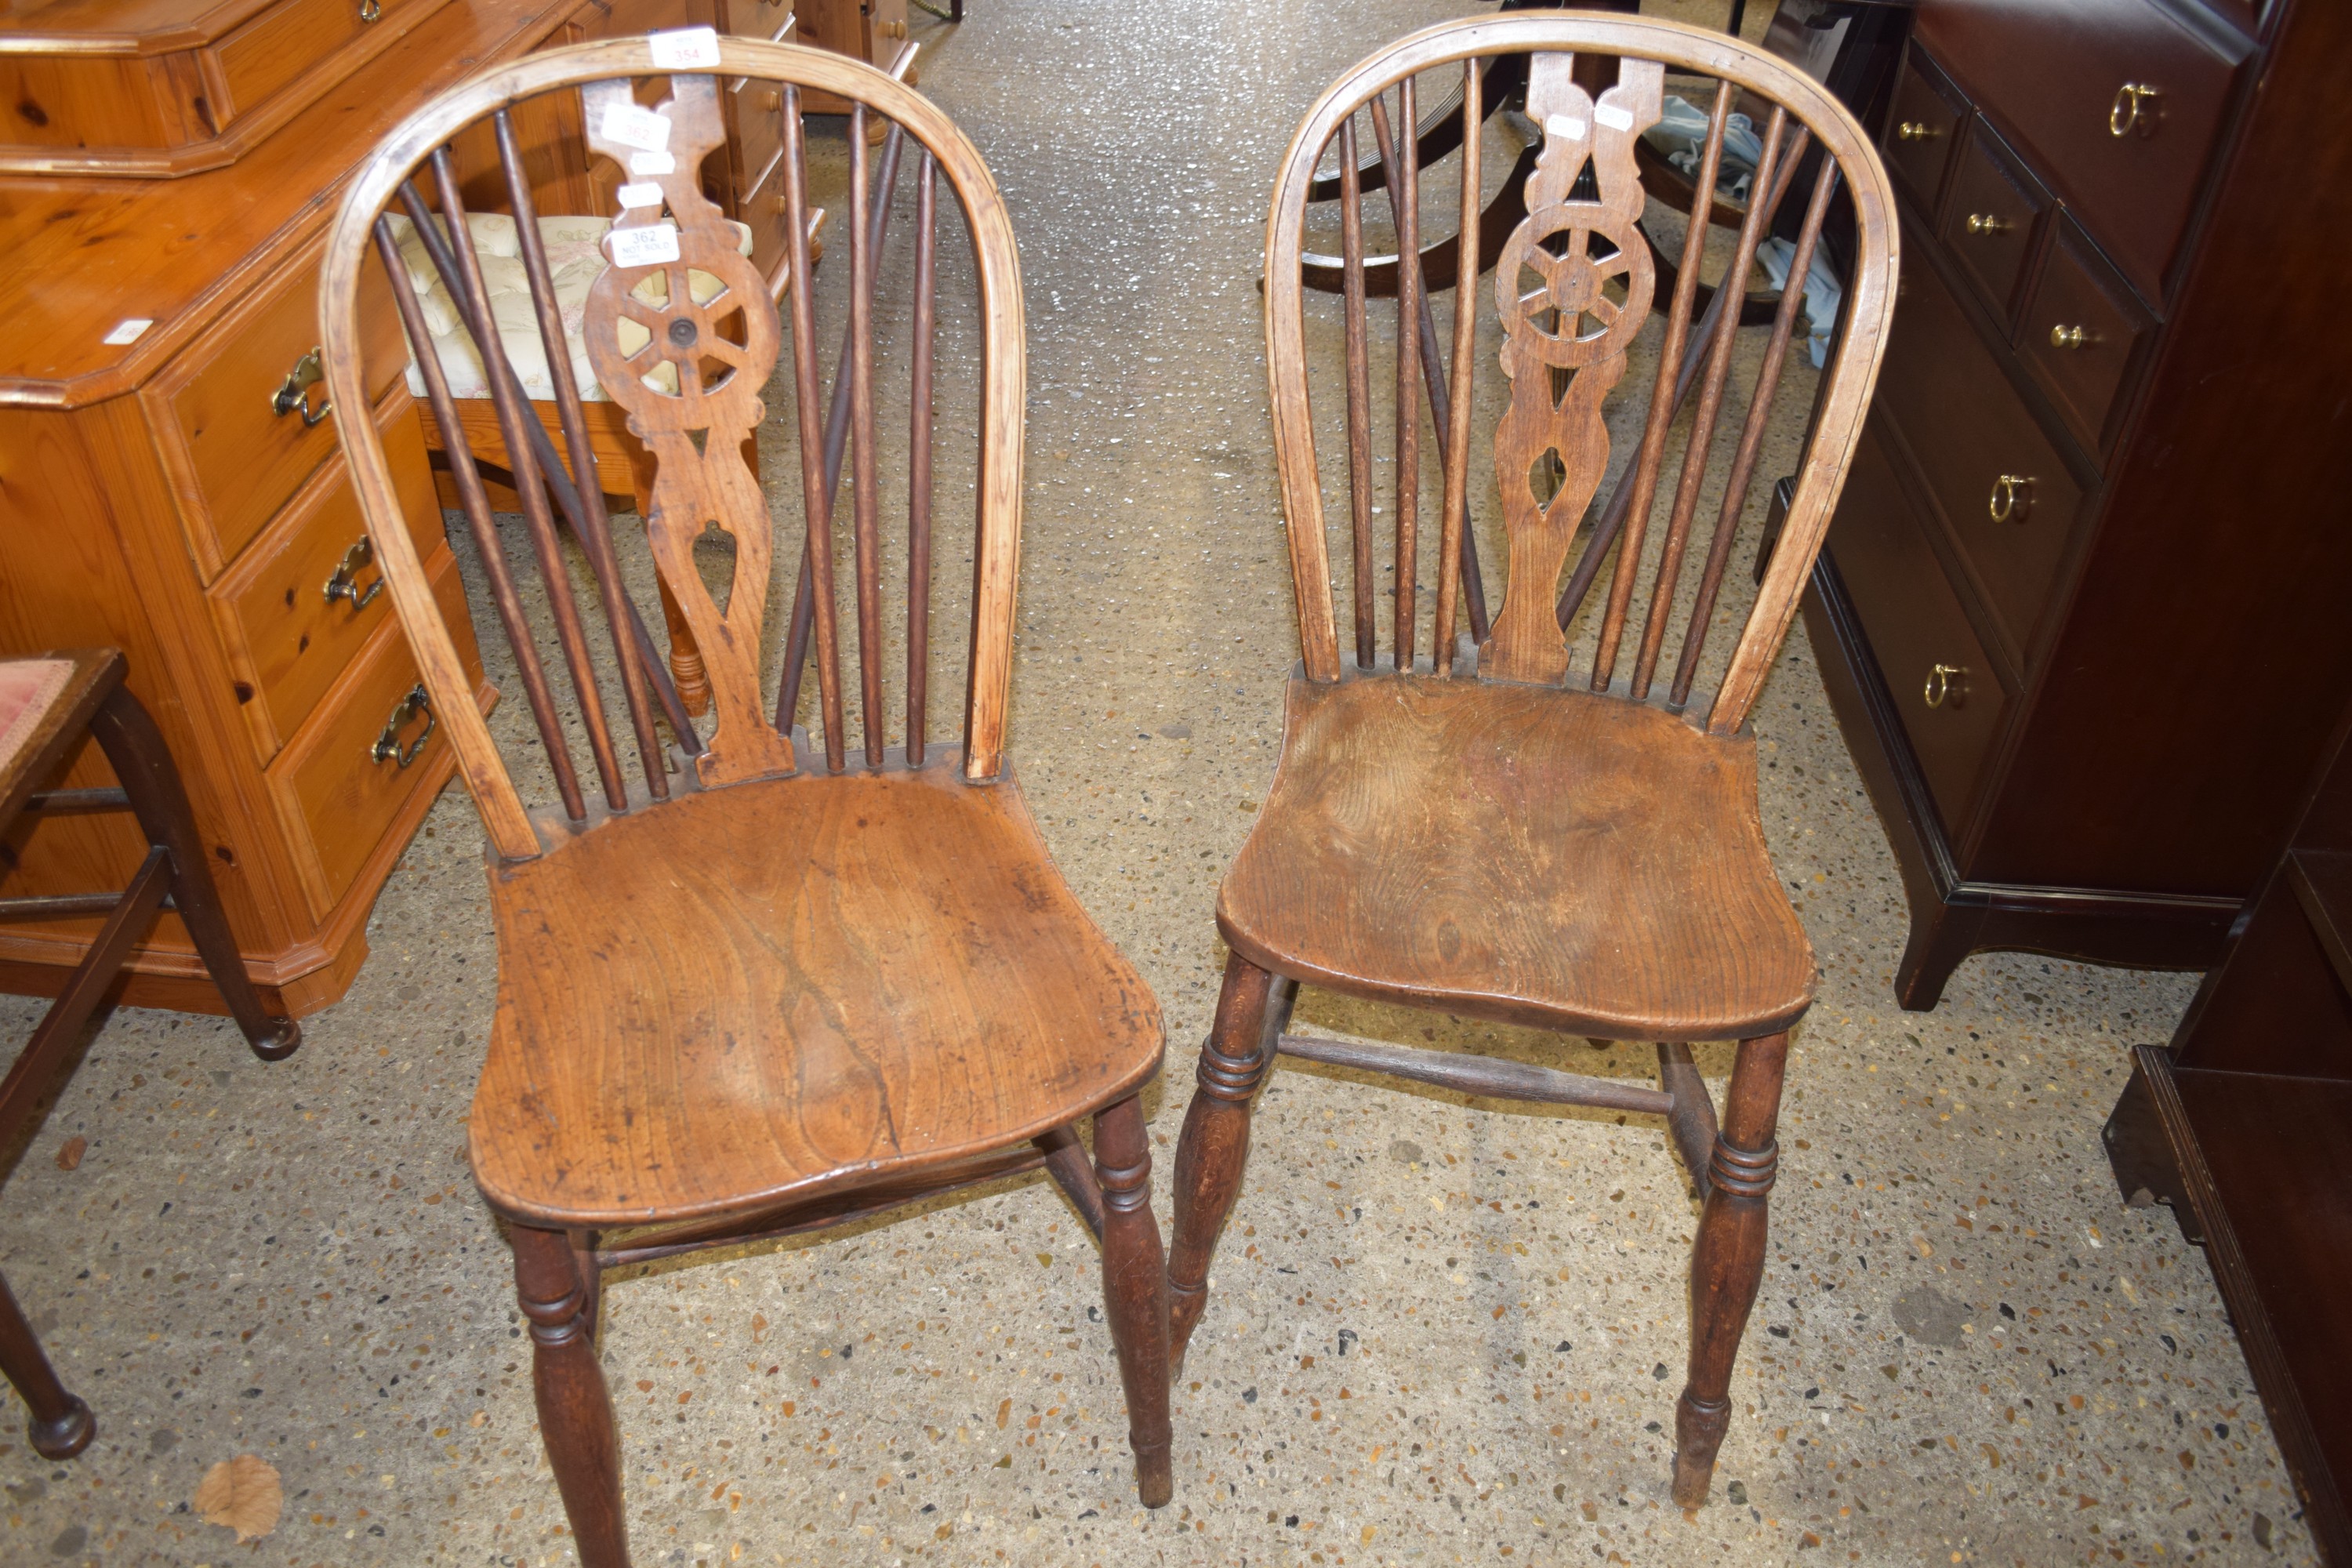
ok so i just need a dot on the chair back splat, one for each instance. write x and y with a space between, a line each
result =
1575 285
680 329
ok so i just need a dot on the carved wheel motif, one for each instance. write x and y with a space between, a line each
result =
1575 250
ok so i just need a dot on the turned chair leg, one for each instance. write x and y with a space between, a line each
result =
1728 1260
135 750
61 1424
685 658
575 1409
1135 1291
1251 1011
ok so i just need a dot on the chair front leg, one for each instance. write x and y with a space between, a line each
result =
575 1410
1251 1010
1135 1291
1728 1260
61 1424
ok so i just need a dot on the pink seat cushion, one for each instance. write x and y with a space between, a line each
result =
28 688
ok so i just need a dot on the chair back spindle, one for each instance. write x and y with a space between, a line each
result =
1574 284
676 327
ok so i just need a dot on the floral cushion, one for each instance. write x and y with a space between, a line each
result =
575 255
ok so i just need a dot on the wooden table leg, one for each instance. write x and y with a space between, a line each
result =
62 1425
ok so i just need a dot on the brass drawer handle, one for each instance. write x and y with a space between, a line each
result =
2134 110
2012 498
344 583
1946 681
1986 223
2073 338
294 392
387 747
370 10
1916 131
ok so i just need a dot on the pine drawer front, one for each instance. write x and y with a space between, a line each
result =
284 43
233 456
2117 103
1937 671
2008 499
2082 334
305 598
340 784
763 212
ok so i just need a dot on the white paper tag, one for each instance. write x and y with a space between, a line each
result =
1612 116
128 331
646 247
684 49
646 194
634 127
643 164
1558 125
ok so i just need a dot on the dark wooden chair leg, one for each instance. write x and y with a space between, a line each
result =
135 749
62 1425
1210 1155
575 1409
1135 1291
1727 1261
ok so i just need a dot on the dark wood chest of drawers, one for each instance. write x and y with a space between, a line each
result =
2083 609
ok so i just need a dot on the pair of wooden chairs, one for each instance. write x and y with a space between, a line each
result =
50 707
798 981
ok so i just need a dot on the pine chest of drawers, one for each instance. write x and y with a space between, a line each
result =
2080 612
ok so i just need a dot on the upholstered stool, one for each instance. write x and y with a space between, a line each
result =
47 705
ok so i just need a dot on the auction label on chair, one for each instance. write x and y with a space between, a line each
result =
632 126
646 193
684 48
647 246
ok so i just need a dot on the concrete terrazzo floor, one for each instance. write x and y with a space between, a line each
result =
1444 1331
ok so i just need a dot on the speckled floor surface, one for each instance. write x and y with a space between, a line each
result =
1442 1330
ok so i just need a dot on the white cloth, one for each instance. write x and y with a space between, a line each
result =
575 256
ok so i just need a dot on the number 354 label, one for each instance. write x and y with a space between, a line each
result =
686 48
648 246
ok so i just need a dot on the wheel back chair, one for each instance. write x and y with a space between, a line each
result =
1498 831
49 706
794 985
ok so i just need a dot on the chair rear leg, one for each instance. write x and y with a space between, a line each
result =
575 1409
1135 1291
61 1424
1728 1260
135 749
1251 1008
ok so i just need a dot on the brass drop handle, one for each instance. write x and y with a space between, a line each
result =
344 583
371 9
1986 223
2134 110
387 747
1946 681
1915 130
2012 498
2072 338
293 392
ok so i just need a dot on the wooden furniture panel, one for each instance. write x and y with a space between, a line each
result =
1993 218
1945 685
306 598
2120 103
1923 127
2003 491
238 458
2082 334
2190 641
270 52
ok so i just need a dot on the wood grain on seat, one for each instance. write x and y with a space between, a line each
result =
811 983
1539 855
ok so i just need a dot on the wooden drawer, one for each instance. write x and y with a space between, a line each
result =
335 796
287 641
1923 125
2008 499
762 211
1936 670
2081 333
768 19
2057 78
759 131
1990 220
233 457
279 45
